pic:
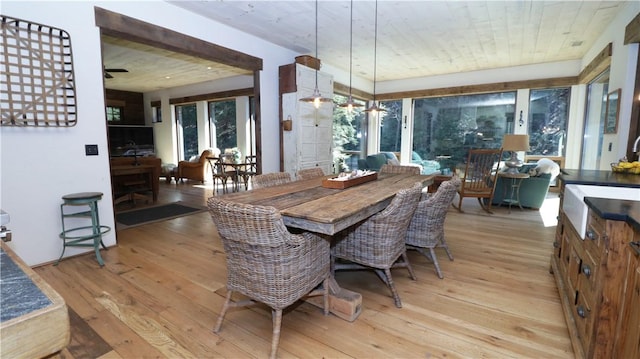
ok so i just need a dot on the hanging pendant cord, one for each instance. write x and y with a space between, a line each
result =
351 50
375 53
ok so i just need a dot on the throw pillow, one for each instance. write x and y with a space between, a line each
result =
546 165
393 161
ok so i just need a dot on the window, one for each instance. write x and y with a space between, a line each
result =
548 111
445 128
157 114
349 134
187 127
222 124
390 126
594 122
114 114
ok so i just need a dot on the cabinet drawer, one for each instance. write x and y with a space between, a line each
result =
594 240
588 275
584 317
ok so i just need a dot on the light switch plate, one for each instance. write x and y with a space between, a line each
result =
91 150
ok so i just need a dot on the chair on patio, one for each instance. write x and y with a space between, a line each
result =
308 173
387 168
266 262
379 241
223 174
270 179
249 170
426 230
479 179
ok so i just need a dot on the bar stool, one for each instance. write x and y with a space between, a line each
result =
78 237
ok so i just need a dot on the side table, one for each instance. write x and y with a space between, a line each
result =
513 186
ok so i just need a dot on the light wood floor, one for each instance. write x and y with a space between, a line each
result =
162 287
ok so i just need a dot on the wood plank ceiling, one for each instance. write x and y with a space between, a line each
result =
415 38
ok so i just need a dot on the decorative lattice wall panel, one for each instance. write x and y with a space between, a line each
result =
36 75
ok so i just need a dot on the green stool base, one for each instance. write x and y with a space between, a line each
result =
71 237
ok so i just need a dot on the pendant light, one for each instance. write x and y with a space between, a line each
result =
316 98
374 109
350 104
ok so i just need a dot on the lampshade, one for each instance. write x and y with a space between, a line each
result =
515 143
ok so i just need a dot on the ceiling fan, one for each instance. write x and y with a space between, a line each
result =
107 72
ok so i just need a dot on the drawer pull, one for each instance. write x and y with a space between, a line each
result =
581 312
635 246
586 270
591 235
556 244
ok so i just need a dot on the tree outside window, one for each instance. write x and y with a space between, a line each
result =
349 134
187 121
548 111
445 128
391 126
222 117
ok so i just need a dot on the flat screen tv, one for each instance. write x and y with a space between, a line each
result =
130 141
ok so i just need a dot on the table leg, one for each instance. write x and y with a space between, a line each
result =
343 303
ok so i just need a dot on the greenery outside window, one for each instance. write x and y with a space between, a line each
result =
222 124
548 111
592 139
187 127
157 114
349 134
390 126
445 128
114 114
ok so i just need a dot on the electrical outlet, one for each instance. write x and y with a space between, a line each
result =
91 150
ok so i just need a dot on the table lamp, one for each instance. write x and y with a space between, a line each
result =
514 143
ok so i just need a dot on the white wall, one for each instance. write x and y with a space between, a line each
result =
621 76
39 165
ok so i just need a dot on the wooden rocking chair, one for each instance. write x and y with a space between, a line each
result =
479 179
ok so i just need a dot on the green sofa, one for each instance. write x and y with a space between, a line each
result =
533 190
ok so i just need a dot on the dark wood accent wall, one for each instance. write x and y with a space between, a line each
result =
131 102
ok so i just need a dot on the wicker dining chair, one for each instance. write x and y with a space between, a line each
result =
309 173
387 168
426 230
270 179
378 242
266 262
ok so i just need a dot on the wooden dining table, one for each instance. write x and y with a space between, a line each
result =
309 206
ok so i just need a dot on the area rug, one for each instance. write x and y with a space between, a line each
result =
138 217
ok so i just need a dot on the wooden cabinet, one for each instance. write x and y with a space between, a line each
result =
628 342
308 141
598 278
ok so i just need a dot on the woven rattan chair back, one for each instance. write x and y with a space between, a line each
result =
479 179
270 179
379 241
387 168
309 173
426 230
266 262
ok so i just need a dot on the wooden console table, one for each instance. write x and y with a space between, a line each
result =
148 172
